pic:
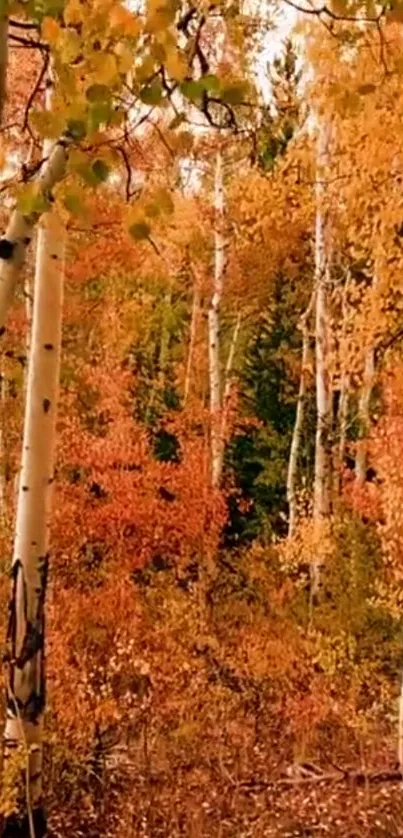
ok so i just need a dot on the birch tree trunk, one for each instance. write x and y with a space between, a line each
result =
26 638
364 405
342 421
14 244
323 400
214 325
345 381
299 421
228 381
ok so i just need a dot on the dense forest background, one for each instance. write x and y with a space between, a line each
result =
221 497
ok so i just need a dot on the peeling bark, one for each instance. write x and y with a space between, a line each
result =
26 631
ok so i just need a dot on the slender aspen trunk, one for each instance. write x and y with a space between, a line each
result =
14 244
323 402
164 342
342 422
214 325
299 421
230 360
364 416
364 402
192 341
26 634
228 380
343 406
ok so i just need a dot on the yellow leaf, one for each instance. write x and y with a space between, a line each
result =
160 15
105 67
70 45
177 65
47 123
146 68
73 13
50 30
124 20
125 58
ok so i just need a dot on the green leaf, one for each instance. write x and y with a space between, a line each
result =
210 83
152 94
100 113
140 230
73 203
87 174
31 201
77 129
51 8
233 94
98 93
192 90
101 170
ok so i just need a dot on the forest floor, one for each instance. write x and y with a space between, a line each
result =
198 809
335 811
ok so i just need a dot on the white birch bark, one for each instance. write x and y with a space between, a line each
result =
299 420
323 400
14 244
214 325
26 681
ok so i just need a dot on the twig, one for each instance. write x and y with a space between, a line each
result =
35 90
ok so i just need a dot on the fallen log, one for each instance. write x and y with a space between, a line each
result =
357 778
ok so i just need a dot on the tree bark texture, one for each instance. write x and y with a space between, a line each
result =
26 633
321 499
14 244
